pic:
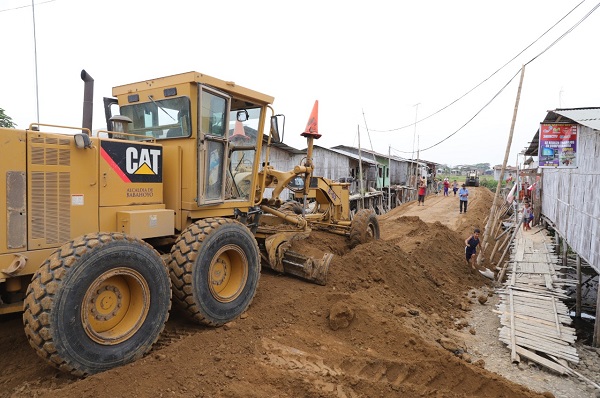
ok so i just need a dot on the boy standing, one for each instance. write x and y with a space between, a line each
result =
454 187
527 216
471 244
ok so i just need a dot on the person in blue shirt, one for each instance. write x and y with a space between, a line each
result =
463 194
471 244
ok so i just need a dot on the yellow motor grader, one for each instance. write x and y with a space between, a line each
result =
102 230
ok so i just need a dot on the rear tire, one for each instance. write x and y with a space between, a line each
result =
214 268
98 302
364 227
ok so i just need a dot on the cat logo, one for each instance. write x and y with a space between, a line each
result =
133 162
144 161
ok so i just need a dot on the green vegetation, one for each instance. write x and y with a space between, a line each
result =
490 183
5 120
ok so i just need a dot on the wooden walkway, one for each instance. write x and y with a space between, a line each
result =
535 321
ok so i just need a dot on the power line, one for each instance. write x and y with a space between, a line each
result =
512 78
26 6
566 33
474 116
498 70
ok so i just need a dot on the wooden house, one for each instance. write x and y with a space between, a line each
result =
508 171
570 192
569 186
392 170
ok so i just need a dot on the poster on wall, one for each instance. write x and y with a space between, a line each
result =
558 145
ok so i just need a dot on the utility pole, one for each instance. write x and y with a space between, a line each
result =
37 99
389 172
418 156
492 216
413 150
360 173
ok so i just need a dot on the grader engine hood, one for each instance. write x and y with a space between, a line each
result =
130 173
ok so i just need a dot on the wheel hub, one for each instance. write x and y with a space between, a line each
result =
228 273
115 306
105 303
220 271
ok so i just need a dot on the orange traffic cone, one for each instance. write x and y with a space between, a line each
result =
312 127
238 132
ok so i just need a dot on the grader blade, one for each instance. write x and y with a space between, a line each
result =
284 256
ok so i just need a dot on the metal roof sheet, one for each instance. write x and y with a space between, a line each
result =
352 155
589 117
393 157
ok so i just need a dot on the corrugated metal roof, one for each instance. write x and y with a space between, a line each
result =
589 117
352 155
394 157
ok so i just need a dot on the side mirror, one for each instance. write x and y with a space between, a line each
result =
242 116
275 134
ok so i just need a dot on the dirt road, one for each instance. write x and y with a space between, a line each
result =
384 326
444 210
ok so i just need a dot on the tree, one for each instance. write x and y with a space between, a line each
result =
5 120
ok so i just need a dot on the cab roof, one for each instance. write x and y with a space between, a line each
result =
193 77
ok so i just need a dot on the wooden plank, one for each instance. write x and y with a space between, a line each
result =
546 350
561 351
525 317
531 312
541 313
556 317
548 279
565 332
543 361
546 335
513 354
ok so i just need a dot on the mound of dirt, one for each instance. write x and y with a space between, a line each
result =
383 326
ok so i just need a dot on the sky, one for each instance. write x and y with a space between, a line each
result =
375 66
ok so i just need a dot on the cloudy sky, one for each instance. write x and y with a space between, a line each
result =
375 66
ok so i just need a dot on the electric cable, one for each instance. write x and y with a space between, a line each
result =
498 70
25 6
511 79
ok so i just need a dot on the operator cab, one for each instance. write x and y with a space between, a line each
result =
216 126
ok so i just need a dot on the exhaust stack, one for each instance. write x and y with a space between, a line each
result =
88 100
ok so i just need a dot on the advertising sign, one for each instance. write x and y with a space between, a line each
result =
558 145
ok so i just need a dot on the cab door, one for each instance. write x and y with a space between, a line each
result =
213 111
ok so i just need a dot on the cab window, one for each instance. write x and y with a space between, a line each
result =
159 119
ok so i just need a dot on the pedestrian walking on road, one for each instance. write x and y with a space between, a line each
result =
471 244
446 186
463 194
454 187
422 191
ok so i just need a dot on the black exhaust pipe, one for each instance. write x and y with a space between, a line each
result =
88 100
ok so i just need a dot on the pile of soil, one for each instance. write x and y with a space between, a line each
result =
382 327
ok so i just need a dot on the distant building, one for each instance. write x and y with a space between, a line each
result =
392 170
509 170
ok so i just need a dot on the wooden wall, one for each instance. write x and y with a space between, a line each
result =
281 160
571 198
399 171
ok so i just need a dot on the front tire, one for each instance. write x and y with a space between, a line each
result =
98 302
364 227
214 268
